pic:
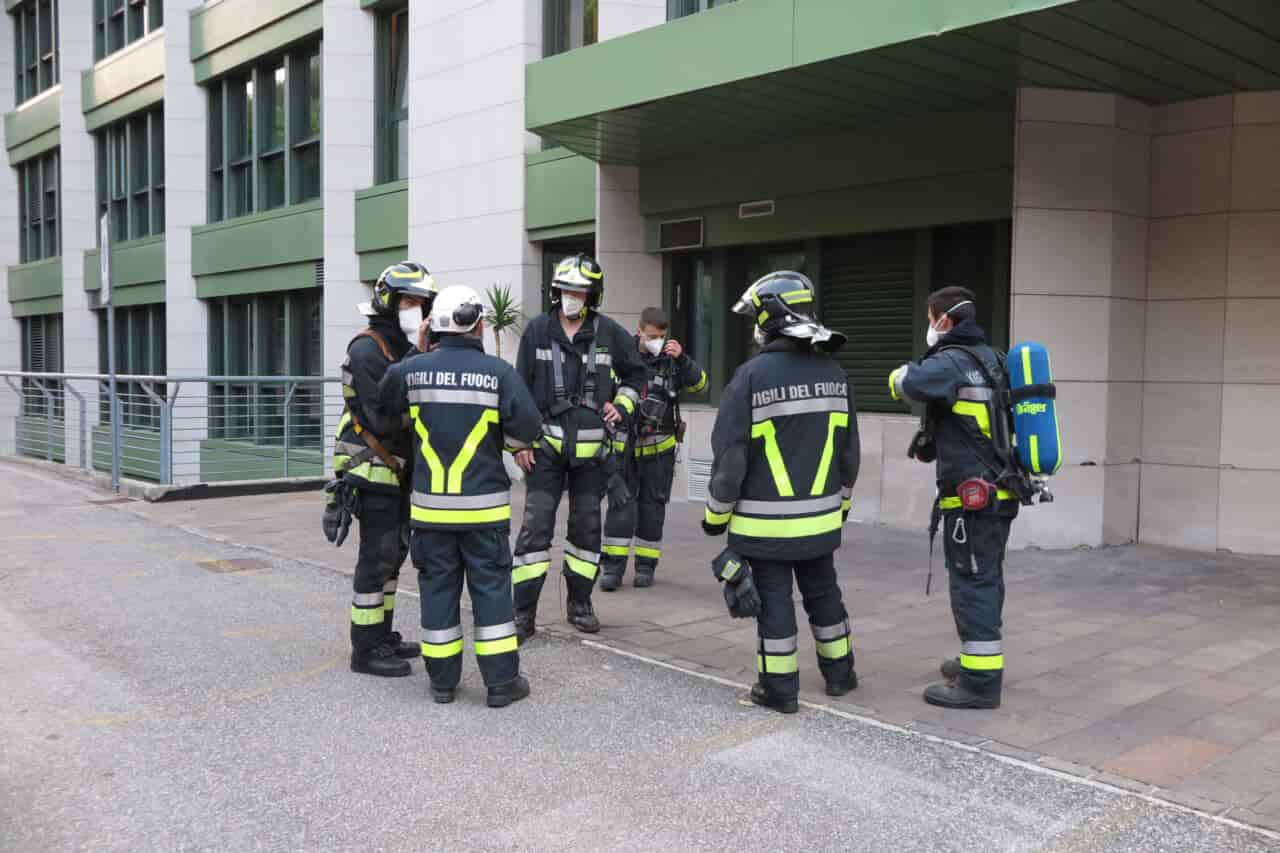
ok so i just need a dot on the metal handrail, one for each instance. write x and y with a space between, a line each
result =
237 427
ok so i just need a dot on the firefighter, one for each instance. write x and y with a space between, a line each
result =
586 378
785 446
958 432
655 431
465 406
371 467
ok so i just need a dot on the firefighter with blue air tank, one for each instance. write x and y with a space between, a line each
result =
786 457
465 406
963 382
372 467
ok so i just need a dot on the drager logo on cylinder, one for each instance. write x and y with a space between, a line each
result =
1032 408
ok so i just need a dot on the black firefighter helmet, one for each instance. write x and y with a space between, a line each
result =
781 303
405 278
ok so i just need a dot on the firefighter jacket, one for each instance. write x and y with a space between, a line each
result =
960 406
571 404
367 361
786 454
465 407
665 378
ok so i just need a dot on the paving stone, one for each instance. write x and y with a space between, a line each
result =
1227 728
1262 819
1124 783
1166 760
1010 751
1064 766
1124 691
1191 801
1029 729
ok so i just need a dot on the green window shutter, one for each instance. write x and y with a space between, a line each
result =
867 292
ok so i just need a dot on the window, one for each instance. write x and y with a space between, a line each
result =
568 24
130 164
117 23
35 47
393 97
264 135
680 8
270 334
140 347
42 353
38 195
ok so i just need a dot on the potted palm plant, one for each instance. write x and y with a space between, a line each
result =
502 313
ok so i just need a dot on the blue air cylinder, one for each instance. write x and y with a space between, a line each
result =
1035 411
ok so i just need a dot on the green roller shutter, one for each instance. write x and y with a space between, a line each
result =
867 292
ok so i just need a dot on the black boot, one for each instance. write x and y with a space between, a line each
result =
443 695
408 651
609 581
583 616
644 578
765 698
952 695
380 660
951 669
502 695
526 623
844 685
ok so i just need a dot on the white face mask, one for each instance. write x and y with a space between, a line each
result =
932 336
654 345
410 320
759 336
572 306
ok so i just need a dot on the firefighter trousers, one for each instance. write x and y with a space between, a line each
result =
640 522
974 546
544 486
384 545
776 658
483 557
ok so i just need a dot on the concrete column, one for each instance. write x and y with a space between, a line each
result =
1079 286
633 278
10 330
348 162
186 205
468 143
1210 472
78 213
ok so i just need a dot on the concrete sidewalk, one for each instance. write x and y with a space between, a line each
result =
1153 669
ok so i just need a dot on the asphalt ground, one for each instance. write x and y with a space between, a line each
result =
166 691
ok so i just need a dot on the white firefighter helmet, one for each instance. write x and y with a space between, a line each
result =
456 310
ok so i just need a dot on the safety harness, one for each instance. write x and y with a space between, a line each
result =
373 446
584 395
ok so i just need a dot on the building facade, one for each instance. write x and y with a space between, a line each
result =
1104 174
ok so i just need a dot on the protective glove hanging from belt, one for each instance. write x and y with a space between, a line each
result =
343 504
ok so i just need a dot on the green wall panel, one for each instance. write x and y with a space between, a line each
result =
560 189
373 263
36 307
938 200
284 236
573 229
36 280
382 217
126 105
136 262
908 150
742 39
222 460
121 73
261 280
35 118
825 29
227 34
34 147
33 437
139 454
